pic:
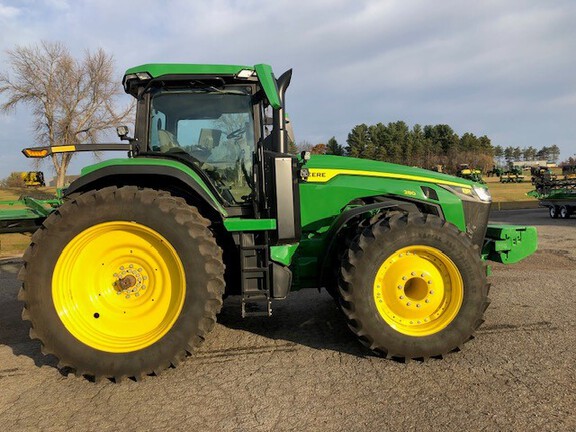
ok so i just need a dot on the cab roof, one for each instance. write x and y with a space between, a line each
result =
262 72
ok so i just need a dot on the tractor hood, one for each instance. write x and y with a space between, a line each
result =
323 168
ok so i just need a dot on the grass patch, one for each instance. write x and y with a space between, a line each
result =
8 194
13 244
509 192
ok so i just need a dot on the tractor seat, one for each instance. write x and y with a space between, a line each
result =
167 140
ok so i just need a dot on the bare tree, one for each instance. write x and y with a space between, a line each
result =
72 101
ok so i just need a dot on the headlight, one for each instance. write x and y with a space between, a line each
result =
245 74
143 76
470 193
483 194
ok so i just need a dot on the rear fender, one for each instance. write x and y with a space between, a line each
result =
174 177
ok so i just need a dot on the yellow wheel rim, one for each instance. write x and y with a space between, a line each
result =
118 286
418 290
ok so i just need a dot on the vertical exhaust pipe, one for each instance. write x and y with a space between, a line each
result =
279 117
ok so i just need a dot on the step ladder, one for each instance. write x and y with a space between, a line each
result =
255 274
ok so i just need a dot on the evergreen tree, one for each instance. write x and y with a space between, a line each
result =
357 140
333 148
554 153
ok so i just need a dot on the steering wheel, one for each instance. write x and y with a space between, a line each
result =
236 134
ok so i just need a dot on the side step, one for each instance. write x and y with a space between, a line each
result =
255 270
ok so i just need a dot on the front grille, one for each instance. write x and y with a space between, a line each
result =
476 215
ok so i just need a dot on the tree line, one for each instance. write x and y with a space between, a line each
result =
424 146
427 146
517 154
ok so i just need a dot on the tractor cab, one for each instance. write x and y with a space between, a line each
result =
227 124
212 129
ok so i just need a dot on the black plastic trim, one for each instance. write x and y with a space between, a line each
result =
476 214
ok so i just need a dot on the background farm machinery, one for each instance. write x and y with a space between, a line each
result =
558 194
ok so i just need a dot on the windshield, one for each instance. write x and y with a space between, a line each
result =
212 128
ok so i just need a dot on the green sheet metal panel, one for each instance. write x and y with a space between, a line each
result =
509 244
241 224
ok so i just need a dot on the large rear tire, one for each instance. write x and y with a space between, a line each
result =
122 282
413 286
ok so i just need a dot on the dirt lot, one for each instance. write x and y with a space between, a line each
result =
302 370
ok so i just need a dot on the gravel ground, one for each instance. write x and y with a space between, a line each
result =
302 370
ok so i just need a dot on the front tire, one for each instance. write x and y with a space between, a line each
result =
413 286
122 282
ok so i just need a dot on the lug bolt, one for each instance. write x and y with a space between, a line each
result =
121 267
413 273
401 297
427 300
399 287
404 277
136 295
408 303
127 296
422 275
418 305
429 282
131 266
431 291
143 287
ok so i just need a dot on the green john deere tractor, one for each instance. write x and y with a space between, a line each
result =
127 275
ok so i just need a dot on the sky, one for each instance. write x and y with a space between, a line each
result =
502 69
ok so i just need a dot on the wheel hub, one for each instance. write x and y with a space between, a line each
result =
130 279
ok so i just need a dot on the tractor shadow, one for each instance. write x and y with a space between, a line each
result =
305 318
14 332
